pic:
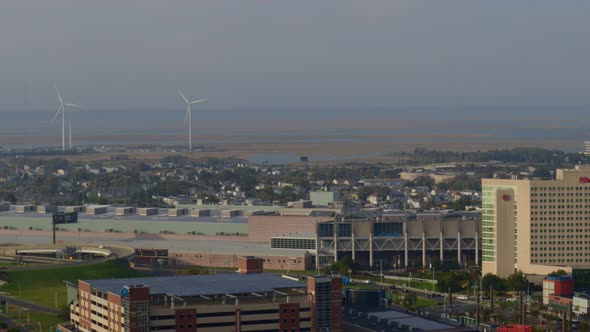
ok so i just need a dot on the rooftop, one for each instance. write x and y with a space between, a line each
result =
560 277
200 285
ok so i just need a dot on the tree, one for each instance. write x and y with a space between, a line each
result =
516 281
409 301
64 313
461 203
423 181
493 280
558 273
342 266
364 191
446 280
436 263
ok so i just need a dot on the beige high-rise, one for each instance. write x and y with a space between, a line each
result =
537 226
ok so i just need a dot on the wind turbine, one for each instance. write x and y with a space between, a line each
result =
62 110
188 116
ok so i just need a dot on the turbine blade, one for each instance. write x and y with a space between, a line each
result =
198 101
72 105
183 97
57 113
58 95
188 109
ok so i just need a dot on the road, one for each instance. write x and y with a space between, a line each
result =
29 305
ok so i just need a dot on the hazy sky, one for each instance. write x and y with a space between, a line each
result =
274 54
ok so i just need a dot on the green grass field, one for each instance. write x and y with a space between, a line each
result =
41 286
32 319
423 303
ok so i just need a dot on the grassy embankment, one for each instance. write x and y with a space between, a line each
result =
41 286
47 287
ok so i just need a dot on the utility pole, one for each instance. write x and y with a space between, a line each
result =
520 307
477 296
492 299
569 325
53 223
432 267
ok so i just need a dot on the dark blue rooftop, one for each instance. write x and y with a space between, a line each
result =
197 285
559 278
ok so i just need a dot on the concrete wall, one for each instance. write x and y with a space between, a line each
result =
504 233
261 228
124 211
200 213
46 209
4 207
96 210
177 212
24 208
324 198
147 211
126 226
74 209
230 213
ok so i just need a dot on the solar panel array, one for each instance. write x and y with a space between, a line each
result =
197 285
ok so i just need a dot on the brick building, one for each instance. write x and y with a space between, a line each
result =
246 301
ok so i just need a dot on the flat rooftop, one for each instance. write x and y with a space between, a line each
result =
162 215
202 285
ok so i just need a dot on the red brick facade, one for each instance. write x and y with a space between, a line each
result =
293 263
336 304
289 317
186 320
137 294
335 301
249 264
84 293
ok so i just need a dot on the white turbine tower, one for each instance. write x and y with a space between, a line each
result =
188 116
62 110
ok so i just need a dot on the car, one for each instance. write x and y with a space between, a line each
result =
462 297
511 299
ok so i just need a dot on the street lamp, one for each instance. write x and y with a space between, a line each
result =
432 267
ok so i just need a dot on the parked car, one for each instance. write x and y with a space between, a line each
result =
511 299
462 297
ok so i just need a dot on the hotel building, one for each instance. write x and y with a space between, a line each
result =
536 226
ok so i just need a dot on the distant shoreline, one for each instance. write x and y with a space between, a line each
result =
279 150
